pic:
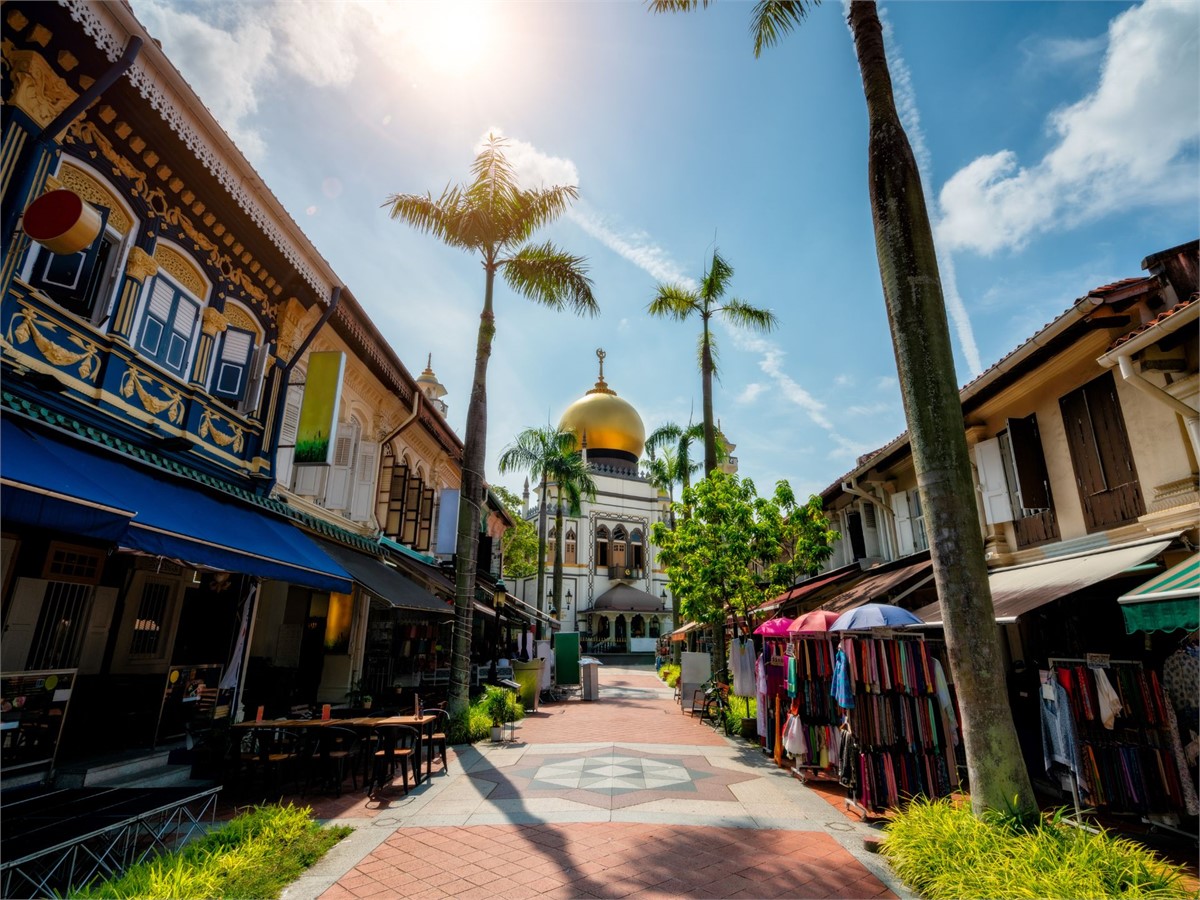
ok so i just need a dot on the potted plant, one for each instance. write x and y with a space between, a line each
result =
357 696
498 705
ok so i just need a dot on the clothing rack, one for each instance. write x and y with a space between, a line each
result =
1128 763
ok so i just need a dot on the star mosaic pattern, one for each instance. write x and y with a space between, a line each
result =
612 778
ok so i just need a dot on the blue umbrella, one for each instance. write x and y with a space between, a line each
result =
874 615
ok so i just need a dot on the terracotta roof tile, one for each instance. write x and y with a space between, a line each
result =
1157 320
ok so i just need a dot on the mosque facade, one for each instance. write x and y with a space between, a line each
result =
615 594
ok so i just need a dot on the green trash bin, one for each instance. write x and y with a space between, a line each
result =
527 674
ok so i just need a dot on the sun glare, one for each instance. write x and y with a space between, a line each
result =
446 38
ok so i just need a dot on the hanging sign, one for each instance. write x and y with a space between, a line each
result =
1098 660
319 409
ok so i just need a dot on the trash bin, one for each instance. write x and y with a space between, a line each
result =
589 677
527 674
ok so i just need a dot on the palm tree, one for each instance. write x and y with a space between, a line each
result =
912 290
569 474
662 472
682 438
494 217
678 302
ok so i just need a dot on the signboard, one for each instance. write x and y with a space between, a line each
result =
1097 660
319 409
191 701
33 706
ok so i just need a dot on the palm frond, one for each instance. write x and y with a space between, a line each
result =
772 19
663 436
673 301
716 279
493 176
534 208
441 217
663 6
713 356
528 453
545 274
744 315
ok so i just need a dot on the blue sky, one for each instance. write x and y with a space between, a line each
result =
1059 144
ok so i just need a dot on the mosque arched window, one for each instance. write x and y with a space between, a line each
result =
655 626
551 540
637 547
619 545
601 546
637 627
569 551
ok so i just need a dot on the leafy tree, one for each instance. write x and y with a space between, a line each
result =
571 480
678 302
520 542
737 550
912 291
495 217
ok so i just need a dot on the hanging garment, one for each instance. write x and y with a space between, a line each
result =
1180 677
794 739
947 704
1109 700
741 653
1187 788
841 691
1059 745
761 694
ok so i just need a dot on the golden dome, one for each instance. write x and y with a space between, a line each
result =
605 420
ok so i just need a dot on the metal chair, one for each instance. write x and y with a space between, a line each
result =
436 741
268 753
395 747
335 756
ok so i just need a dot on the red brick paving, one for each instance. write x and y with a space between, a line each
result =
609 860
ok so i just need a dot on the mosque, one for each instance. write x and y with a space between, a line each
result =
614 592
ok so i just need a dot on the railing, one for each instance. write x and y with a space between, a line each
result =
626 572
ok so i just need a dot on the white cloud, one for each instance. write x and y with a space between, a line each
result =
1130 143
636 247
751 392
533 168
319 40
771 357
870 409
886 382
844 380
1062 51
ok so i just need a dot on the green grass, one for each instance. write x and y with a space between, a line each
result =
257 854
941 850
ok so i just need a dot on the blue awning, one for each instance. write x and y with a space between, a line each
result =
43 484
172 518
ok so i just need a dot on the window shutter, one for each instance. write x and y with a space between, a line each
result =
364 481
310 480
21 622
233 364
1029 465
74 281
412 510
425 527
337 485
396 493
254 387
993 486
287 436
904 532
91 657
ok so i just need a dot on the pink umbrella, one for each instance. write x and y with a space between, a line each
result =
816 621
773 627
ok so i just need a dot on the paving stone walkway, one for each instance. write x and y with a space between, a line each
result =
623 797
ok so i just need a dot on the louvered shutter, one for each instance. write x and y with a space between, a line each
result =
337 485
363 495
287 436
412 510
993 486
233 364
425 526
904 532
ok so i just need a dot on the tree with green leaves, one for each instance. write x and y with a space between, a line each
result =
676 301
669 434
520 543
549 455
912 291
736 550
494 217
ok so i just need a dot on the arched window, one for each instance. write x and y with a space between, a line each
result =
601 546
637 556
569 552
170 322
655 626
619 546
637 627
620 628
237 372
551 540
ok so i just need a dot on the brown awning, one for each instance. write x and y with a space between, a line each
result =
810 587
680 634
1017 590
875 588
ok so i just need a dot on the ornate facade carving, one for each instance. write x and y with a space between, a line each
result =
37 89
94 192
181 269
294 323
213 322
140 265
239 318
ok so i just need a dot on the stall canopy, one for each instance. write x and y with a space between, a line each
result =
680 634
385 582
163 515
1167 602
875 586
1017 590
810 587
43 484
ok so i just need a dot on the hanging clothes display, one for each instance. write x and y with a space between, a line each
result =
813 712
905 730
1125 748
741 661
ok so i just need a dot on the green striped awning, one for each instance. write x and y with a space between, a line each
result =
1167 602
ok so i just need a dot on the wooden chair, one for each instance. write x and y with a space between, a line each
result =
335 756
436 741
395 747
268 754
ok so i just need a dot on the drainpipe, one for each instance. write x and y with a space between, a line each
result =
395 432
285 375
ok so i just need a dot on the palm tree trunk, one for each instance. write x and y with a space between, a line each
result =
706 378
470 504
541 573
558 552
925 364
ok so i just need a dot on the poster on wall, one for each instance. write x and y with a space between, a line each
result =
319 408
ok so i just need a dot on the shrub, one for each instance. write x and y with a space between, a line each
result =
475 723
740 708
669 672
941 850
256 855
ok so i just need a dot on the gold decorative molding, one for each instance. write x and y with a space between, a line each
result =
140 265
181 269
37 90
94 192
135 381
213 322
208 427
239 318
294 323
25 326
